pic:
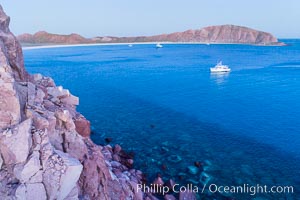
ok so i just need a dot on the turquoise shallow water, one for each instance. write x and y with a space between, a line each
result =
245 123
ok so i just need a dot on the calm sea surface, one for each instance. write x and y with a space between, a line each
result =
164 103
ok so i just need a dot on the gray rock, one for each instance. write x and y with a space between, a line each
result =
19 137
58 92
70 100
61 175
26 172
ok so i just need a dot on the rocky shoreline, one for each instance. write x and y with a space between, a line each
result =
45 146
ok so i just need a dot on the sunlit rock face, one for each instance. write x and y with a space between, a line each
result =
45 149
224 34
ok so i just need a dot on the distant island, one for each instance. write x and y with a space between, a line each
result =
223 34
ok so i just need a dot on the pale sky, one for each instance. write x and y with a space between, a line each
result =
148 17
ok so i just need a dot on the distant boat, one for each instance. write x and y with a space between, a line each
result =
130 45
208 44
158 45
220 68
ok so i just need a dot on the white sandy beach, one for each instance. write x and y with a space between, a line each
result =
104 44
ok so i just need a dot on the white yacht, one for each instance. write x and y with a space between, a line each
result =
130 45
158 45
220 68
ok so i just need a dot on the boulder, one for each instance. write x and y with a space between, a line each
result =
58 92
61 175
37 77
19 137
117 149
71 175
40 122
26 172
40 95
83 126
70 100
63 115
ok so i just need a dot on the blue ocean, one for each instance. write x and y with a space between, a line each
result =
166 107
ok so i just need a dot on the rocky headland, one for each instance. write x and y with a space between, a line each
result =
224 34
45 148
43 37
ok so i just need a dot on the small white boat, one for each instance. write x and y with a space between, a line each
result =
130 45
158 45
220 68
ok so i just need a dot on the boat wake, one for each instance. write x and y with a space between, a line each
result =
287 64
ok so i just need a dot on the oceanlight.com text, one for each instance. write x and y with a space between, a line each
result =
250 189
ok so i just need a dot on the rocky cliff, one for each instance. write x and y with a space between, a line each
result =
213 34
45 149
